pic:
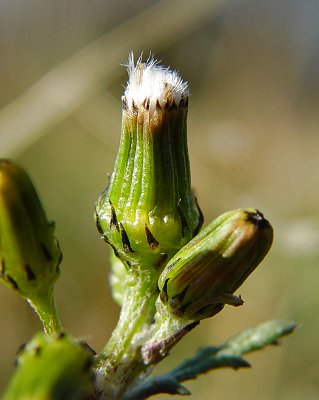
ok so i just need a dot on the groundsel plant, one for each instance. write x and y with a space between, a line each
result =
166 272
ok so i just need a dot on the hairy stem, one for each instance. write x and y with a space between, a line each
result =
47 312
120 361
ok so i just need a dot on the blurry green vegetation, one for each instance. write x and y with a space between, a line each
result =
253 69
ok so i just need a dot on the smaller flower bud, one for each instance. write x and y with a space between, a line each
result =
52 367
29 252
202 277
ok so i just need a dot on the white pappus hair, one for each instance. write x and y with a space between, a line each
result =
153 83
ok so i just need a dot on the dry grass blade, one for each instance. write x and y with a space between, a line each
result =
68 85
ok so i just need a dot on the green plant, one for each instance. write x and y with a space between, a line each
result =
166 273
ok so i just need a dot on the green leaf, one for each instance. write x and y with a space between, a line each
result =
227 355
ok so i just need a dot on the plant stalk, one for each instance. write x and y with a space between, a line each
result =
120 361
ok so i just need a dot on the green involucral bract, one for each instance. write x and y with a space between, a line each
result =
202 277
118 278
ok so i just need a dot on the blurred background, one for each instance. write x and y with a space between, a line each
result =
253 71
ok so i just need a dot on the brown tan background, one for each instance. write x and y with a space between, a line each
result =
253 70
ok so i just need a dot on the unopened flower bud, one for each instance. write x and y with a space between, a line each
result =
148 212
202 277
29 252
52 367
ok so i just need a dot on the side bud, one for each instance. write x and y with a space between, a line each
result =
29 252
148 212
202 277
52 368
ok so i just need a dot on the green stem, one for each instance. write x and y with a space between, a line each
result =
46 309
120 361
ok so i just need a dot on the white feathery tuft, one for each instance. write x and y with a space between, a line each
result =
153 83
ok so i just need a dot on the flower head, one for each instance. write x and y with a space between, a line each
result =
148 211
